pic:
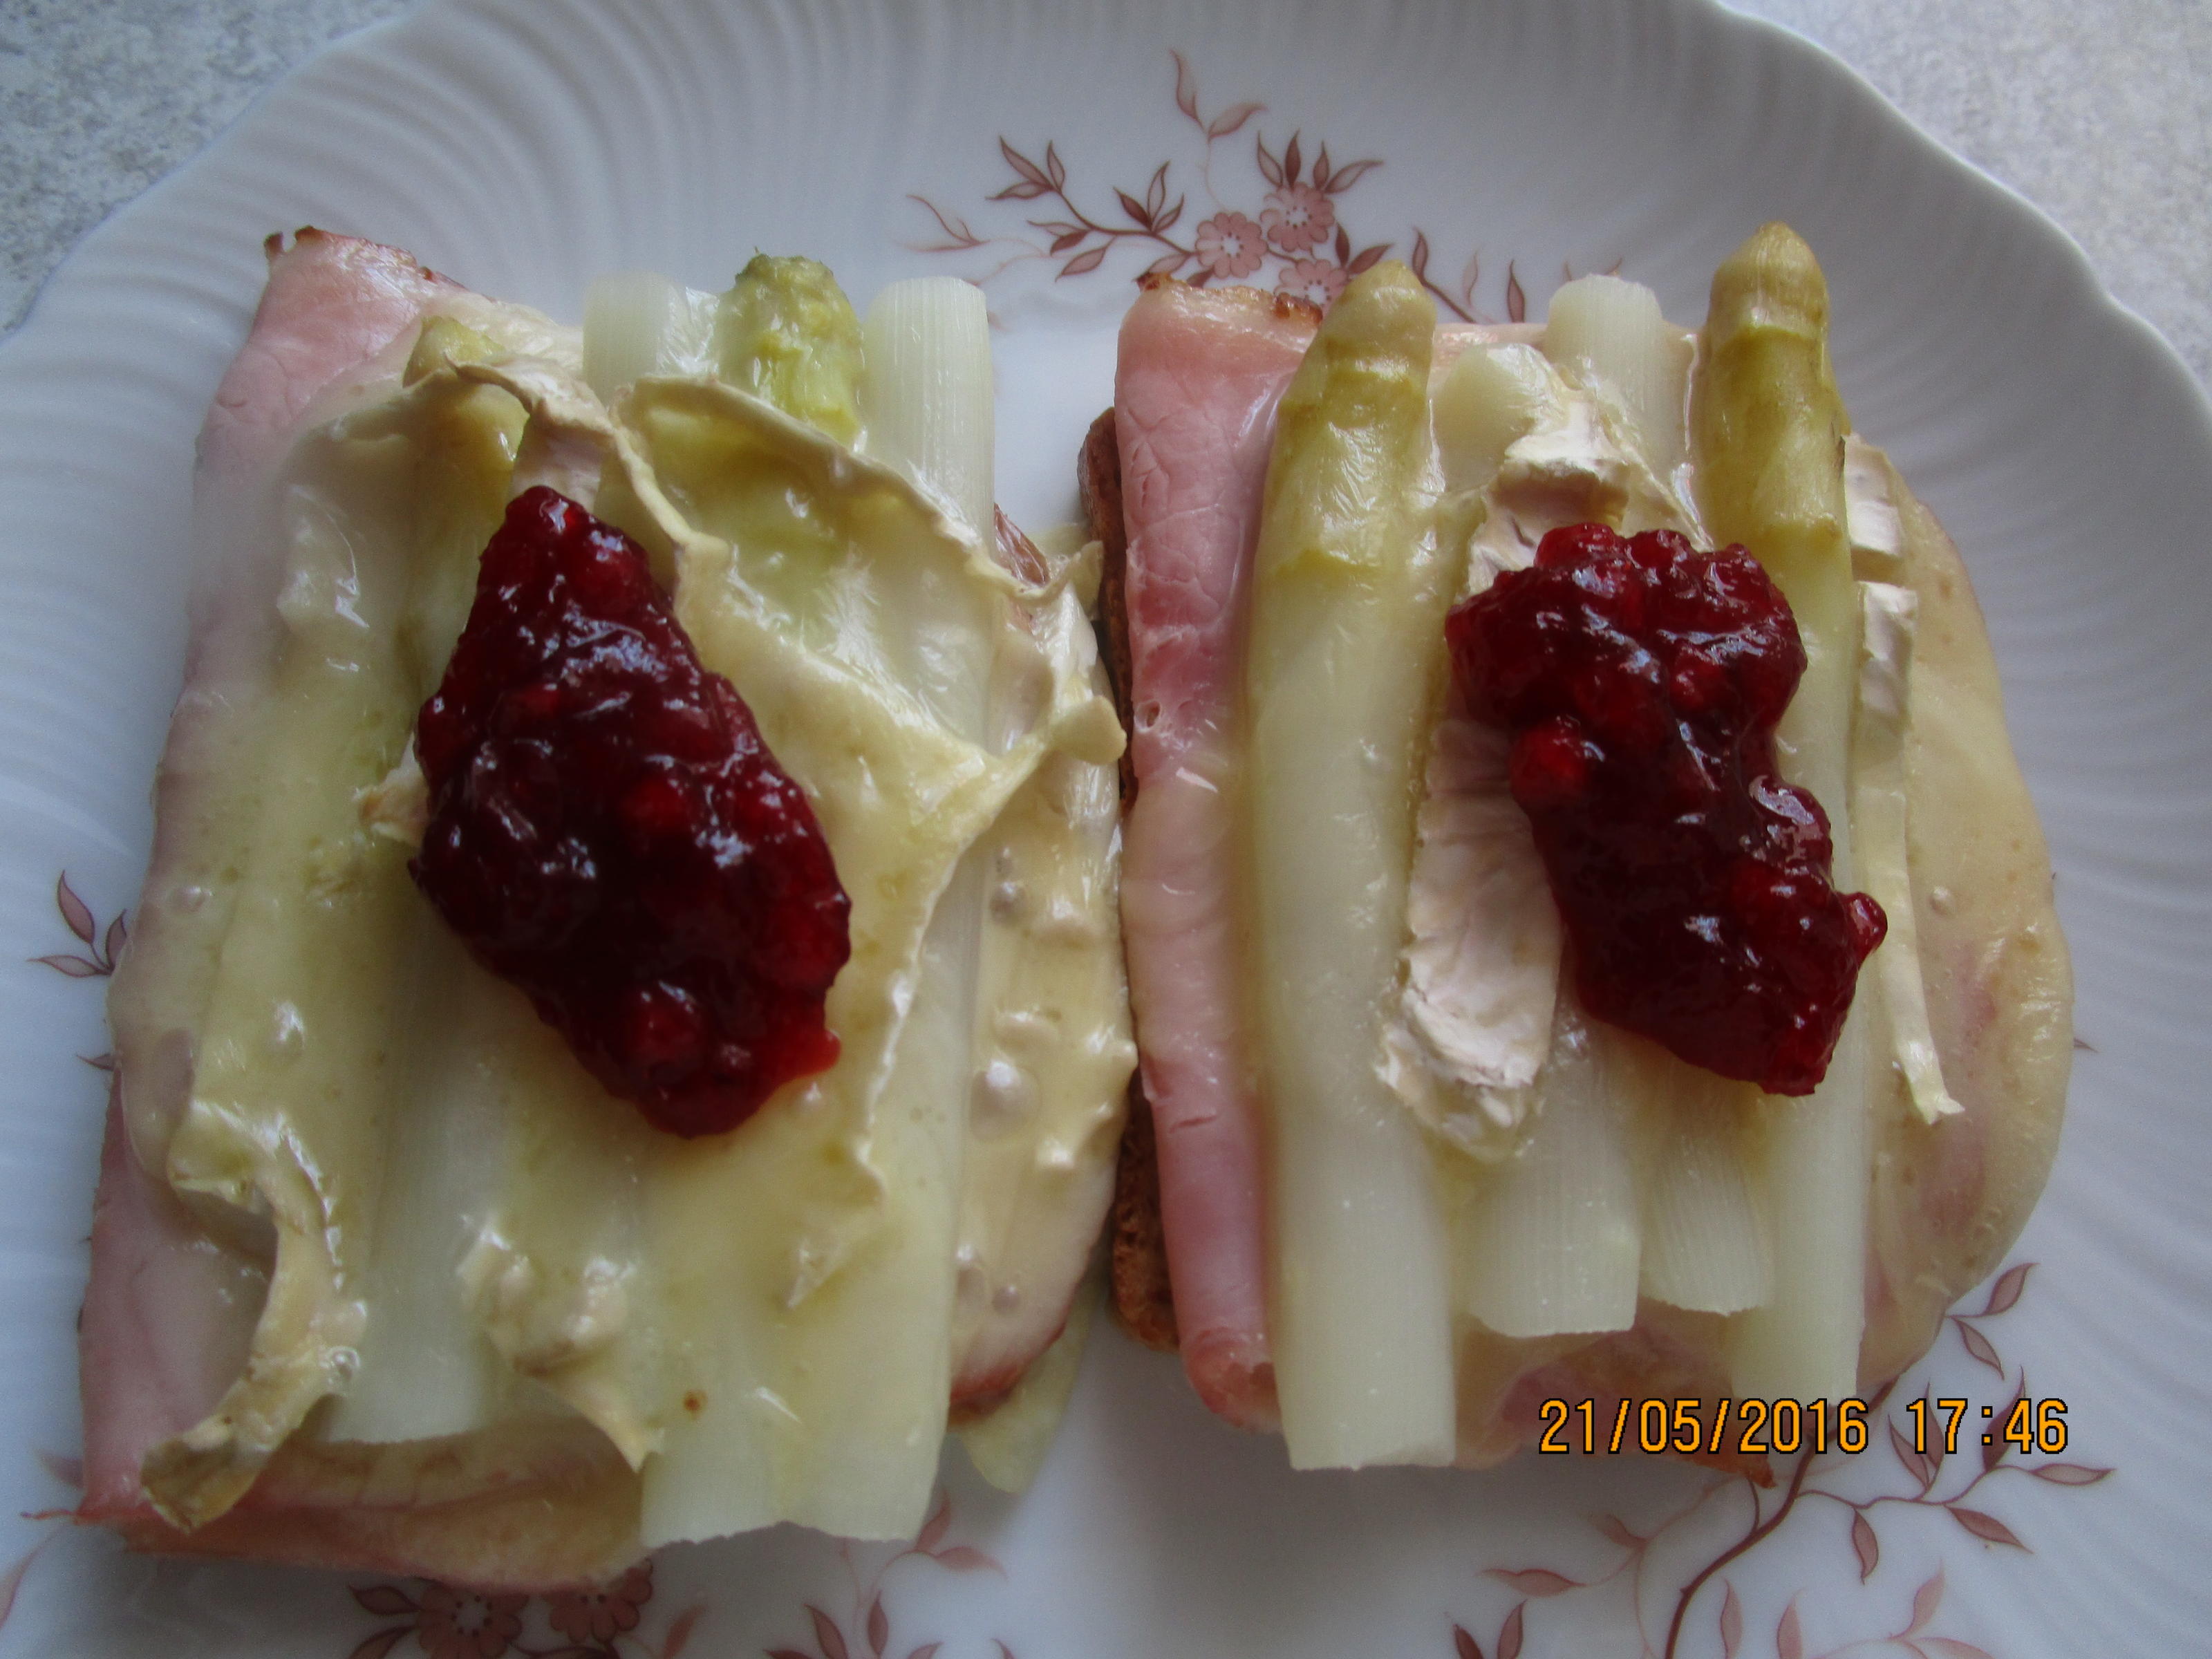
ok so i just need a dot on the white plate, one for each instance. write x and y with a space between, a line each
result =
523 145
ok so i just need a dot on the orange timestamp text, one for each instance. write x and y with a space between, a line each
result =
2028 1426
1747 1428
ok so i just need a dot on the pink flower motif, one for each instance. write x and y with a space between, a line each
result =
601 1613
1298 217
1229 245
1317 281
461 1624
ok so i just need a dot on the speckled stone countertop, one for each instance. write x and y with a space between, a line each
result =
2098 111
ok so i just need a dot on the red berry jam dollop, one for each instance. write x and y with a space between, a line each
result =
609 833
1641 680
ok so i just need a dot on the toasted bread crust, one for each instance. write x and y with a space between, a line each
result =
1272 302
1143 1302
1098 481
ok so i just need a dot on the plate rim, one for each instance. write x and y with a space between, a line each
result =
2083 281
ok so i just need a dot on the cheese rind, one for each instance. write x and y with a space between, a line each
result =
1879 822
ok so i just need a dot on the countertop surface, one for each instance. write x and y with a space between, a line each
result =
2098 111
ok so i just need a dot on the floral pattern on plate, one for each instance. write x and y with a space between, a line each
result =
1891 1527
1827 1476
1298 225
593 1622
607 1621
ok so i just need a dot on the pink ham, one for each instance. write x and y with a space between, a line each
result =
169 1313
1194 408
332 303
161 1336
167 1317
166 1322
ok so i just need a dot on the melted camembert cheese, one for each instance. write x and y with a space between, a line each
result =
466 1229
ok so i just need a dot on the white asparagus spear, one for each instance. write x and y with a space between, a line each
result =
1767 433
1345 669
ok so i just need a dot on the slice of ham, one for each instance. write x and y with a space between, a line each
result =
1195 391
162 1333
169 1311
332 303
333 306
166 1321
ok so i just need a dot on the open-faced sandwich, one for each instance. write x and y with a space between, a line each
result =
624 1033
1588 937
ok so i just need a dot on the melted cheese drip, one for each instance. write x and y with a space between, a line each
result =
1052 1048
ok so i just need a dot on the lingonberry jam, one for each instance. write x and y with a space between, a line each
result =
1641 681
608 831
